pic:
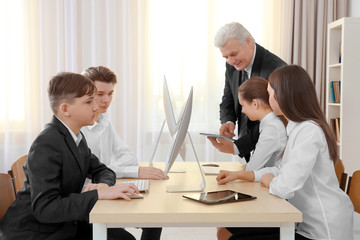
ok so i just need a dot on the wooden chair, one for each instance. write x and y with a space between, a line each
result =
340 174
353 190
18 172
7 195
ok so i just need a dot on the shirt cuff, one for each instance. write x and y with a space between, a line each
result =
236 150
128 172
257 176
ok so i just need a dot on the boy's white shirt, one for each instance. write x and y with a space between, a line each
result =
106 144
307 179
77 138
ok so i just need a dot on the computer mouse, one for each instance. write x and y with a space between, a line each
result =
211 165
137 195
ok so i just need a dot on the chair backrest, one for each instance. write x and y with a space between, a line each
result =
340 173
7 195
18 172
354 190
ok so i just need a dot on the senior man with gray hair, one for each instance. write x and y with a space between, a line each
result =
244 59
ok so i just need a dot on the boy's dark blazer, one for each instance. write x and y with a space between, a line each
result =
264 64
51 205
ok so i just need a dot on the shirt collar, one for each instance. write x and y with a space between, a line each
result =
77 138
101 122
249 68
268 117
290 126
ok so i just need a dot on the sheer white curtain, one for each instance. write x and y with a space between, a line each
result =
140 40
20 73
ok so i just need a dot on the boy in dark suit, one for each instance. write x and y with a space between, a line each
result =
51 205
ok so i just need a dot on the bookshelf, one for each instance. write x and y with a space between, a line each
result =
343 70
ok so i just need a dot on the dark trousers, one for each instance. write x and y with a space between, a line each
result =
151 233
258 234
147 234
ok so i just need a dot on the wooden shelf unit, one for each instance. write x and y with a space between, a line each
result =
344 37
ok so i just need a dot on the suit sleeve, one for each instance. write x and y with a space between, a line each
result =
48 202
99 172
247 143
227 108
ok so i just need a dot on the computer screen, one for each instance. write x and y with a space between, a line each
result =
169 110
172 123
177 144
178 130
179 137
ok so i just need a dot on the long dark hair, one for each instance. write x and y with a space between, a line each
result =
296 96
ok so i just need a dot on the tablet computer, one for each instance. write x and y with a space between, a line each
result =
223 196
215 136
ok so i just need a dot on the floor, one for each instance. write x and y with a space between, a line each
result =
210 232
181 233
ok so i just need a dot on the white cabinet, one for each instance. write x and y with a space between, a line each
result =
343 65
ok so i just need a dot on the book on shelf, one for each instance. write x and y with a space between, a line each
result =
335 127
335 91
340 52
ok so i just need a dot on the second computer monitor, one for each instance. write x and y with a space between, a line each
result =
181 130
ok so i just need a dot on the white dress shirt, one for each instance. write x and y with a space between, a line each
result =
111 150
271 143
307 179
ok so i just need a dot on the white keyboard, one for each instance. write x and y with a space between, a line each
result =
142 184
211 170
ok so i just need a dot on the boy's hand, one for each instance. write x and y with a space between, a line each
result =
117 191
152 173
227 176
92 186
266 179
222 145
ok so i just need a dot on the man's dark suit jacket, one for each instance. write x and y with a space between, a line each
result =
230 109
51 205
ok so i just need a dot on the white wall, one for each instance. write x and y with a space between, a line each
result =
354 7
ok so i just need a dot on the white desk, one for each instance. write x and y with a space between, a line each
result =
162 209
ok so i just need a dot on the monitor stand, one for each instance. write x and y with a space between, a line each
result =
189 188
173 170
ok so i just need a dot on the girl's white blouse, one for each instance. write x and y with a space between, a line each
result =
307 179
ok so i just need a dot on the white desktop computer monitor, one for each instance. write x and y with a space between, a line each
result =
177 145
178 130
180 134
173 124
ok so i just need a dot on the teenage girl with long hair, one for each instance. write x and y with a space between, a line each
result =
306 177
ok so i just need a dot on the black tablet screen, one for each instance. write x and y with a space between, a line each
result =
219 196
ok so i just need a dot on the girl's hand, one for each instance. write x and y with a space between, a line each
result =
227 176
243 168
266 179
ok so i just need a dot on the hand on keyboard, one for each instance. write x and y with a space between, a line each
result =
152 173
136 195
142 184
